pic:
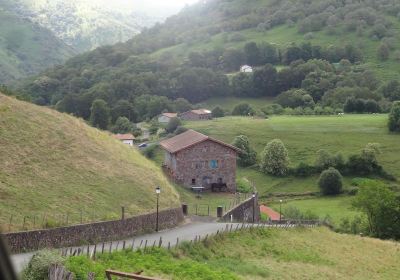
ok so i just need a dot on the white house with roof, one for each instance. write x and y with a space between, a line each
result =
127 139
246 69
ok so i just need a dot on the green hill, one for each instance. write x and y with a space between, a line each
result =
26 48
53 164
258 254
332 50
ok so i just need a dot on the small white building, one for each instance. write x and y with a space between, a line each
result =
125 138
246 69
166 117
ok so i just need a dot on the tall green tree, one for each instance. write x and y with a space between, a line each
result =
394 117
247 155
330 182
100 114
275 158
382 208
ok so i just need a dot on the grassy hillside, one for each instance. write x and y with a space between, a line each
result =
25 47
259 254
53 164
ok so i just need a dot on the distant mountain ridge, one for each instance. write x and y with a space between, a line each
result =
85 25
25 47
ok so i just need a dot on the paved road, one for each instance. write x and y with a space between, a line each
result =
185 233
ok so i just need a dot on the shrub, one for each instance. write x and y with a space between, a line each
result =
275 158
180 129
394 117
173 125
243 185
243 109
39 265
304 170
150 151
330 182
247 156
217 112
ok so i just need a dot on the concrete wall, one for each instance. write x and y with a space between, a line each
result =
91 233
244 212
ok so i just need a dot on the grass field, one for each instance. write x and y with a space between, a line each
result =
259 254
303 137
228 103
53 165
336 208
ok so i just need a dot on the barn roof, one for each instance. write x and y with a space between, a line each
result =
170 115
188 139
124 136
199 112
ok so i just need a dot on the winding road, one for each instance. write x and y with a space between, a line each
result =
185 232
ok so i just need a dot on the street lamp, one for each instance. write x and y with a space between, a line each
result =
280 209
158 191
254 202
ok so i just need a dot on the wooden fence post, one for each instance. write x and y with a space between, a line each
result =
160 242
122 213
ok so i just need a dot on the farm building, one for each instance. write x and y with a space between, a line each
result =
200 162
196 115
246 69
166 117
127 139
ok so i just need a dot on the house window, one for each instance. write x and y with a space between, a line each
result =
220 180
193 181
213 164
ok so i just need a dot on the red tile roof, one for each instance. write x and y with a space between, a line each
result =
127 136
170 115
273 215
188 139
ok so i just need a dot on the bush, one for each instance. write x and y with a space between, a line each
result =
217 112
247 156
39 265
330 182
275 158
394 117
173 125
243 185
304 170
243 109
150 151
292 212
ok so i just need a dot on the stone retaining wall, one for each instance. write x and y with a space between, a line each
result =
91 233
244 212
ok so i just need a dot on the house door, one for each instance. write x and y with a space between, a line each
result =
206 182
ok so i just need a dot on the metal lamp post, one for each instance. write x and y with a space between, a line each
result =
158 191
254 202
280 210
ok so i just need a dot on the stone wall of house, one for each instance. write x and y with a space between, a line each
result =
190 116
244 212
91 233
193 165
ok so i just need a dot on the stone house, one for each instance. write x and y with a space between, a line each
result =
166 117
196 115
127 139
200 162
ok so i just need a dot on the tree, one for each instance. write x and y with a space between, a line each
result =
265 81
217 112
394 117
383 52
243 109
381 206
252 54
324 159
122 125
275 158
173 125
100 114
182 105
247 156
330 182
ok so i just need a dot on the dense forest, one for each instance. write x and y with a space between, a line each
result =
311 56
